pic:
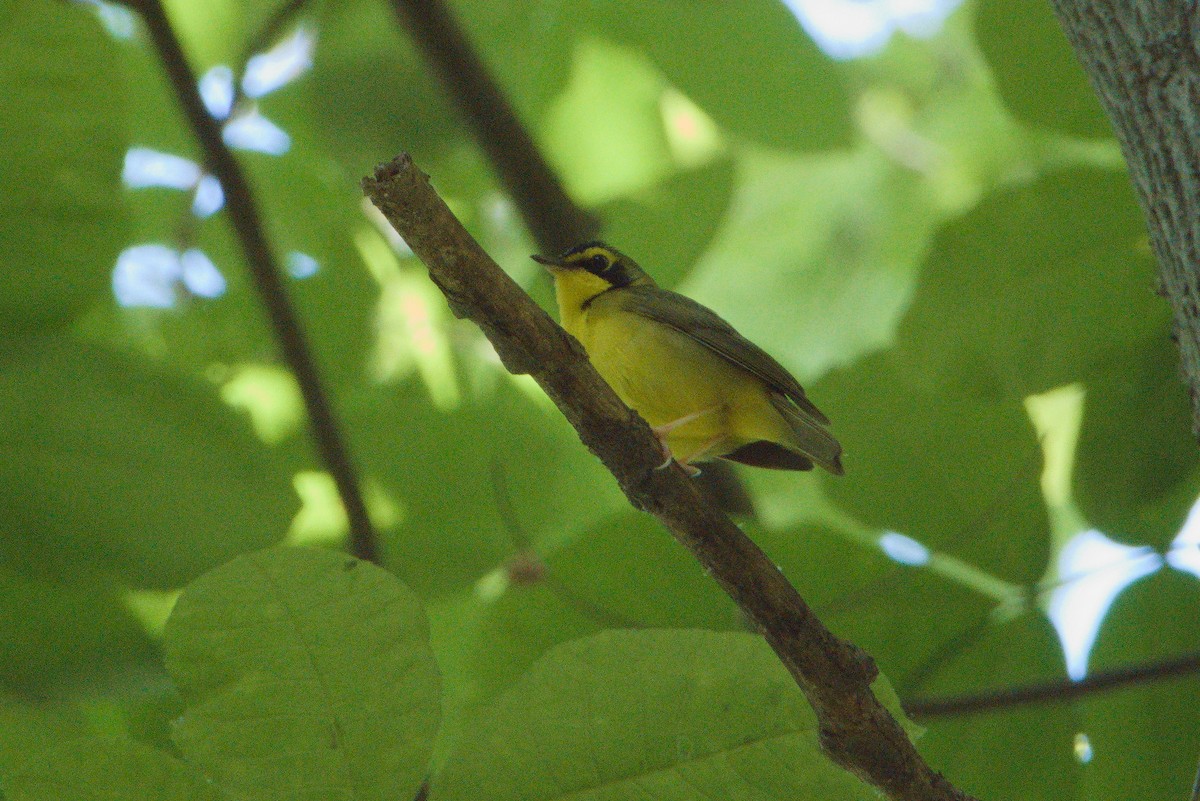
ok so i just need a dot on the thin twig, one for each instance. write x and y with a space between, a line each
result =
1053 691
855 729
246 221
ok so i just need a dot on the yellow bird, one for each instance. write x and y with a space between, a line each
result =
707 391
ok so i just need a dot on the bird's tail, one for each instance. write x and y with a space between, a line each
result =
810 437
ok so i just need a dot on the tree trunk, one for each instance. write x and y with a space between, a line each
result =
1141 57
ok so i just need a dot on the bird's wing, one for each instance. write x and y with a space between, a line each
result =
703 325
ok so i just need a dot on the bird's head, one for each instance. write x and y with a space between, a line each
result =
594 267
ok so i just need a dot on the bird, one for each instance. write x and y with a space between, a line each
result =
706 391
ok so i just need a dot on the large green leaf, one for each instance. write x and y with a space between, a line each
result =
455 474
628 150
220 32
61 215
311 209
1036 287
107 770
526 45
1137 468
866 597
113 466
378 111
64 639
631 571
1037 741
485 642
661 714
956 471
668 227
1036 71
1143 737
754 71
306 674
31 726
817 256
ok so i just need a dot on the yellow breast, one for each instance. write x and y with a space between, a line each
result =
665 375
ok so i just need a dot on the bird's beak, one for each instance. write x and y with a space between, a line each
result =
548 262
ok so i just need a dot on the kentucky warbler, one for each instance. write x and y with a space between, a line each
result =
707 391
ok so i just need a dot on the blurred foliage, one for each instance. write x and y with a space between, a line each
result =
927 237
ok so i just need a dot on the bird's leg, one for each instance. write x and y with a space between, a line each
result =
663 431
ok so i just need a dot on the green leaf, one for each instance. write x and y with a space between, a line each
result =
526 45
755 72
628 151
866 597
61 212
311 209
1037 740
668 227
829 245
218 34
630 569
959 472
485 643
70 639
1137 470
401 107
1036 287
107 770
1037 73
31 726
306 674
116 467
455 472
651 714
1143 735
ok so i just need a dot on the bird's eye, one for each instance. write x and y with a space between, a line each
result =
599 263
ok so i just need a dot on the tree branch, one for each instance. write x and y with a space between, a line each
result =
1143 61
1053 691
244 216
855 729
554 220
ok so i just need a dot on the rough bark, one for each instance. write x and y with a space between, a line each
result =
1143 61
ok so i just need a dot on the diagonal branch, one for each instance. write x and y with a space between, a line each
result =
247 224
855 729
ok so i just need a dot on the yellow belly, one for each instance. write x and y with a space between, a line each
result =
665 376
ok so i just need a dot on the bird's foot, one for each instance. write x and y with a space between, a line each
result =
664 431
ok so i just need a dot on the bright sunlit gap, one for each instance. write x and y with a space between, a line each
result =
847 29
209 197
152 275
116 19
216 90
1094 571
253 131
903 549
1184 554
145 167
282 64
